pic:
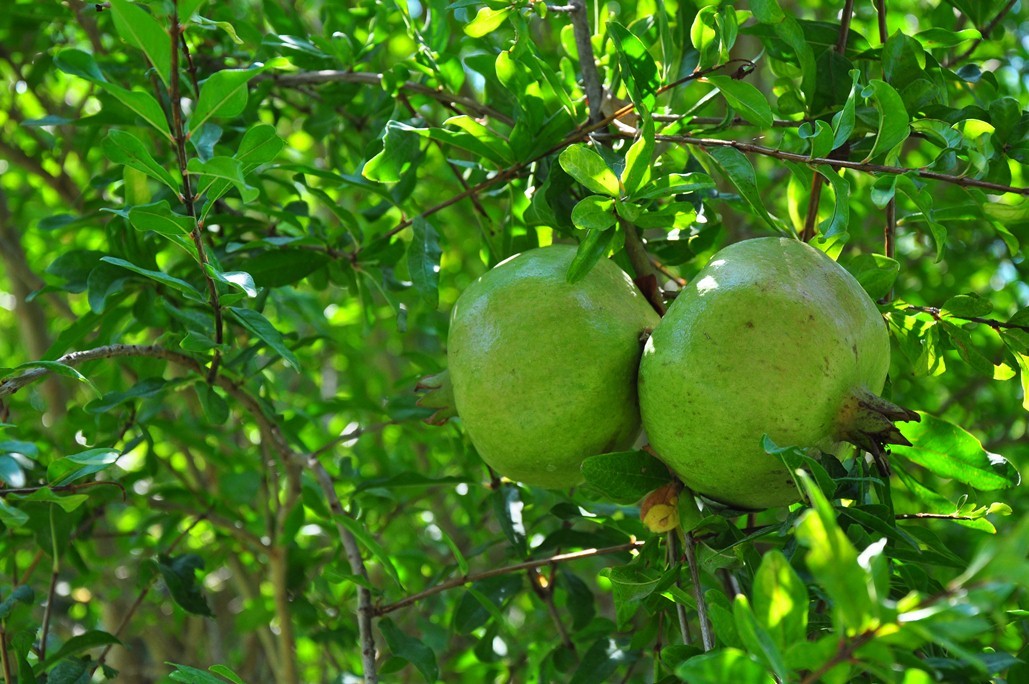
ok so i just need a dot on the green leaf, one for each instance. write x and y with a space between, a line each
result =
191 675
893 118
843 121
639 157
64 471
225 169
590 251
79 63
638 69
833 561
59 369
143 104
159 218
935 37
969 305
590 169
12 518
820 136
704 34
676 184
795 457
255 322
723 666
401 147
411 649
486 21
780 600
20 594
740 171
260 144
625 476
227 673
179 573
875 272
122 147
423 256
224 95
141 30
368 541
756 639
148 387
77 645
279 267
633 582
594 213
601 660
836 225
162 278
483 600
241 280
46 495
187 8
747 100
949 451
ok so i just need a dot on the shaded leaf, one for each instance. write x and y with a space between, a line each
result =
625 476
411 649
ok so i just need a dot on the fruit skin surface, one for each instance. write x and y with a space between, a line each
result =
772 337
544 371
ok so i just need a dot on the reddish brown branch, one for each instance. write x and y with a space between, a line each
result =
517 567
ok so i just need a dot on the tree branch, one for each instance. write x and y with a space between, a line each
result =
187 190
334 76
575 136
271 431
587 62
937 314
964 181
706 633
983 35
844 651
817 181
890 226
933 516
517 567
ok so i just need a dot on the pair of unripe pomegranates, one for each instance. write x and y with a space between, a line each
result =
771 338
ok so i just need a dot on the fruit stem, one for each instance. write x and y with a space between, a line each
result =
867 421
437 393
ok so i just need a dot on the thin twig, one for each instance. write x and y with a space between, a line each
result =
646 273
817 181
579 134
545 591
333 76
890 226
506 570
672 558
938 315
963 181
587 62
187 190
983 35
933 516
844 650
706 633
144 592
271 431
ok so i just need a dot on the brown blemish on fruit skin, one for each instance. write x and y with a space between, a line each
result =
749 324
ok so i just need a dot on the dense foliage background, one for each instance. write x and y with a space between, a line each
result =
230 245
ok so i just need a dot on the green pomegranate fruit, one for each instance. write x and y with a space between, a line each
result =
543 371
772 337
